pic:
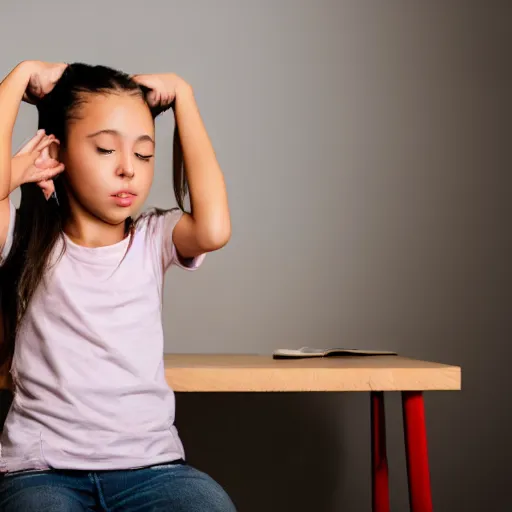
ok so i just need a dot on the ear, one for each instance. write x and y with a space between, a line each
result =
54 151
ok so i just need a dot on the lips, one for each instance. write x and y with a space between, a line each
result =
124 198
123 193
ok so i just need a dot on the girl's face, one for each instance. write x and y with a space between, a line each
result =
109 156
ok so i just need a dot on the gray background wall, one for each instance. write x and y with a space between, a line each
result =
366 148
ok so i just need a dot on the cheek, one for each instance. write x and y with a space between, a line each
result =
85 176
145 180
147 176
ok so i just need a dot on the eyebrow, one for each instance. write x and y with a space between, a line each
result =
115 132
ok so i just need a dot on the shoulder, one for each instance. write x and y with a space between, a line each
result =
156 221
155 229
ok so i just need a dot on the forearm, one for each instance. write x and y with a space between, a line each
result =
208 196
11 93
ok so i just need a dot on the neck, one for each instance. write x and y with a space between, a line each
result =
84 229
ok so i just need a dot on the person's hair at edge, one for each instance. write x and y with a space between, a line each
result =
39 223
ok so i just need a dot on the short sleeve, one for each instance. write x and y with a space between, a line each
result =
170 255
10 233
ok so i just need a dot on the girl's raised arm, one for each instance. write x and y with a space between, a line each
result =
208 227
29 81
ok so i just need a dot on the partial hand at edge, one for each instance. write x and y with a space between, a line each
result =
33 164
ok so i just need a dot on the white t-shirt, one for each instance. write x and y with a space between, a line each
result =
90 389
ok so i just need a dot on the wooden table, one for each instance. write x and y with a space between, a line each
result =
375 374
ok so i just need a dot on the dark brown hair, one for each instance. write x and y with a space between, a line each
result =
39 223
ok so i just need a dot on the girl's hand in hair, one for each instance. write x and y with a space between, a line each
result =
43 78
33 164
164 88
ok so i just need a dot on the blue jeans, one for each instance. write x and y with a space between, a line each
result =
175 487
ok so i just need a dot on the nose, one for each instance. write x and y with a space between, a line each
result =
125 168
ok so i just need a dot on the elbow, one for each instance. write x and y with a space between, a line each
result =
215 238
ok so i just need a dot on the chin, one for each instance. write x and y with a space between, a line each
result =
114 219
115 215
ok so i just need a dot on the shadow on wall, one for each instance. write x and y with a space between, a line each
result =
270 451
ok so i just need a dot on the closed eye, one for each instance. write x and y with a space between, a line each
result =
146 158
104 151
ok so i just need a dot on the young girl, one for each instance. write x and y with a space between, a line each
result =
91 425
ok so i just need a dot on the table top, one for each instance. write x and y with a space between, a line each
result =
247 372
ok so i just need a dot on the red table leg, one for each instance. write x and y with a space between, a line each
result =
380 483
420 494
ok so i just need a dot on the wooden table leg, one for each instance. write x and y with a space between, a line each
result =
415 431
380 480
